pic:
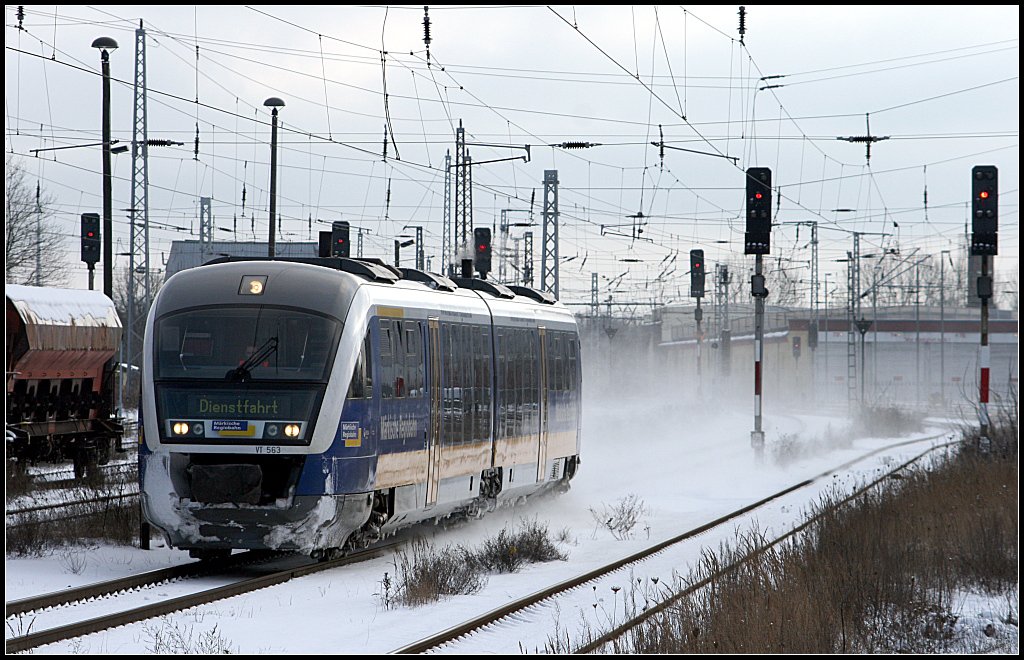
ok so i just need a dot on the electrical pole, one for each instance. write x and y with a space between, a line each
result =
528 258
420 256
463 195
502 242
549 245
138 245
852 312
446 222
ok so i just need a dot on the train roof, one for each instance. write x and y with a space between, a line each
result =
375 270
331 284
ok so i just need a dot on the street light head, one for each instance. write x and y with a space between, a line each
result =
104 43
273 102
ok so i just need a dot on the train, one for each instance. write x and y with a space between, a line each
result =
320 404
61 377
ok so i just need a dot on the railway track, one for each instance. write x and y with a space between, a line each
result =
55 512
491 631
115 590
65 476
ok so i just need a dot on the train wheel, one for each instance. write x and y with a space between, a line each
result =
327 554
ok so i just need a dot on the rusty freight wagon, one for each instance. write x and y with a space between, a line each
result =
60 376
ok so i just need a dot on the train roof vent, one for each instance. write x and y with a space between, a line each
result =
493 288
433 280
376 261
540 296
372 269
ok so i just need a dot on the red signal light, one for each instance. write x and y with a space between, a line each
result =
89 234
482 247
757 195
983 194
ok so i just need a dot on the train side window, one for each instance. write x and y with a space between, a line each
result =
483 380
499 381
468 389
368 352
399 377
508 384
449 401
534 367
387 360
523 375
574 381
361 385
464 423
413 358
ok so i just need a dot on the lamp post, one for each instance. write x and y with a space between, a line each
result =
106 44
274 103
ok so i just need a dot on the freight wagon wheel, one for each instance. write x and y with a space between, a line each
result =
79 462
85 464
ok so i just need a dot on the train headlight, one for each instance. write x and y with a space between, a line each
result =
197 428
180 428
291 430
272 430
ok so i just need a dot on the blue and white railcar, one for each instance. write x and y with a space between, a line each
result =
320 404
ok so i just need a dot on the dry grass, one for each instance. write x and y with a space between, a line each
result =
510 550
424 574
879 575
41 533
622 517
886 421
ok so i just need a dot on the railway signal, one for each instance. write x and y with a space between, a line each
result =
340 246
757 239
985 244
697 273
90 238
984 210
482 250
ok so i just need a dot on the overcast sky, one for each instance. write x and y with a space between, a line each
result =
941 83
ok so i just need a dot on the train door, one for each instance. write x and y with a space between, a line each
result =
434 423
542 445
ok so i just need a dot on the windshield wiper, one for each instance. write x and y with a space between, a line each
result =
241 373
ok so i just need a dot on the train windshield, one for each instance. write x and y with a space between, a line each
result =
242 344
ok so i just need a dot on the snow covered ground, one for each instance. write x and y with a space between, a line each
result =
687 465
